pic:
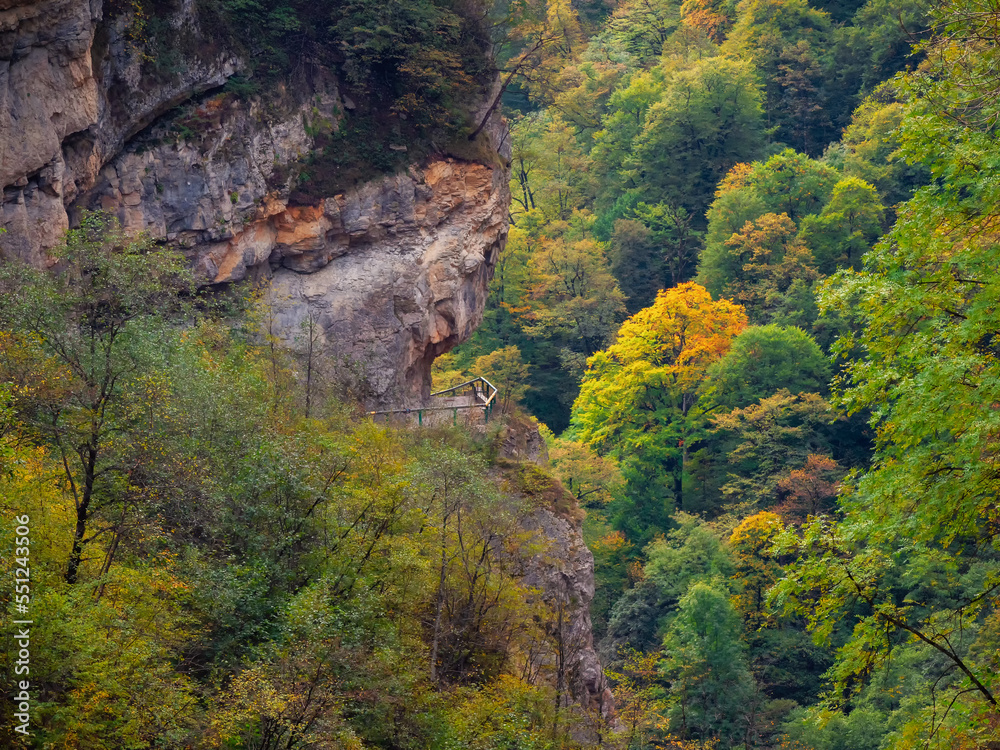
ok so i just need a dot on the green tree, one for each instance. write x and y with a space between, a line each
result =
802 102
672 230
474 544
628 107
769 32
878 43
709 119
576 298
793 184
636 263
94 319
655 248
866 148
642 28
915 545
689 553
762 360
774 435
421 56
712 691
787 183
771 259
587 85
507 371
526 158
564 182
638 396
735 204
847 226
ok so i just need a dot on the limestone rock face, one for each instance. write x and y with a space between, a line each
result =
71 94
408 262
565 575
204 180
48 93
394 272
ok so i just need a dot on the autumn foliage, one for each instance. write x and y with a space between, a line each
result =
660 357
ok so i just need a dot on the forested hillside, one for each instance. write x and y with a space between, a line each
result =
749 299
224 552
751 287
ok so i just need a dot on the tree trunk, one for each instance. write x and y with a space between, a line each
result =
82 515
507 81
439 609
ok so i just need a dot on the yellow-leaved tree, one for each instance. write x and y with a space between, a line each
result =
638 396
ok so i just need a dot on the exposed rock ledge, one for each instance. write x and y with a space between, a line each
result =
566 577
408 263
564 574
73 92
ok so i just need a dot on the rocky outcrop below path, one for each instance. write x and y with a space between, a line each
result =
564 575
391 272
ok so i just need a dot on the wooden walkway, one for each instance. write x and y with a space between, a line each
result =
470 397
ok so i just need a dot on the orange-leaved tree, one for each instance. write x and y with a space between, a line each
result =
638 396
654 368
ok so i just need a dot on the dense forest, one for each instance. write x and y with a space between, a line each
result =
751 300
750 288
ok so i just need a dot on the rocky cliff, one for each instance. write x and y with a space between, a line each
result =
73 97
564 574
409 263
393 270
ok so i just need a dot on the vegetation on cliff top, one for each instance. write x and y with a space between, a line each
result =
412 75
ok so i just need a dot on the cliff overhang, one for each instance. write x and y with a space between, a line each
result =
383 236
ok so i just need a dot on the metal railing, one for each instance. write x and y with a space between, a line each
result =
482 395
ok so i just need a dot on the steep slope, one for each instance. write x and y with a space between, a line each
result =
392 267
563 573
